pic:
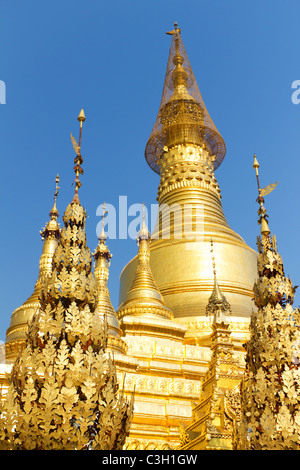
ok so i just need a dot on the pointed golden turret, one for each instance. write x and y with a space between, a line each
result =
144 308
16 333
78 160
102 257
263 217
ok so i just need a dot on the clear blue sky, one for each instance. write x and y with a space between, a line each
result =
110 58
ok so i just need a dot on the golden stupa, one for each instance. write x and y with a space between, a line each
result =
16 333
185 149
160 335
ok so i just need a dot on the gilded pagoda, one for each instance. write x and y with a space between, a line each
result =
177 335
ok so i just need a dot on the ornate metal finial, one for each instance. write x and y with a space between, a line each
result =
263 217
213 258
78 160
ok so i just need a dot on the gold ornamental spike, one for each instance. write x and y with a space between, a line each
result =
74 143
264 227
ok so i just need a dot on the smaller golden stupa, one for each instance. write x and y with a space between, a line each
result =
102 257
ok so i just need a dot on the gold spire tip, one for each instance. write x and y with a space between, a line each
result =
175 30
213 258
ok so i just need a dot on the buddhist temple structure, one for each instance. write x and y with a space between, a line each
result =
177 337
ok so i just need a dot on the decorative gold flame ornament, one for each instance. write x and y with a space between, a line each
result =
270 392
63 391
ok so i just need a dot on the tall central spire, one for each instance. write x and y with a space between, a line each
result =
182 117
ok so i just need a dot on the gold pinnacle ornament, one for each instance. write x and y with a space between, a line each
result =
78 160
